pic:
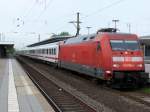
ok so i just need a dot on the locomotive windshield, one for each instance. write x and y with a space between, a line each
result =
124 45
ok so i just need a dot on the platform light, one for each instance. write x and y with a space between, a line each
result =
139 65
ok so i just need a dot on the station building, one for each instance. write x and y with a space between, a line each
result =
145 43
6 49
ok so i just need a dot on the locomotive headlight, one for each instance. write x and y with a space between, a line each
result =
116 65
140 65
108 72
118 59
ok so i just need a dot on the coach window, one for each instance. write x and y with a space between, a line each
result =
50 51
54 51
47 51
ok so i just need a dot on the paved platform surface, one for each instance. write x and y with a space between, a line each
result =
17 92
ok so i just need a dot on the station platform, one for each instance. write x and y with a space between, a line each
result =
17 91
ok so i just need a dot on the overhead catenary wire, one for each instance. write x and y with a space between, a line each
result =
45 9
104 8
30 10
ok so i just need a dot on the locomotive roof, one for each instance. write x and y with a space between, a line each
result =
82 38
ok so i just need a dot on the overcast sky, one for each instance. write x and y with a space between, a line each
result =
44 17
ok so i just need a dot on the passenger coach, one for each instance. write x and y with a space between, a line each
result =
47 52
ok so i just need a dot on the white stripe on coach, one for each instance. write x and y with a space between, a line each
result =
13 105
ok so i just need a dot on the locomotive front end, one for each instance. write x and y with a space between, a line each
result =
127 61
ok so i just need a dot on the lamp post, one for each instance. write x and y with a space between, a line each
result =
129 27
115 21
88 28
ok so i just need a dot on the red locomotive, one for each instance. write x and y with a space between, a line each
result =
111 56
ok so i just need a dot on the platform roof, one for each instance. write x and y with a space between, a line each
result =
6 43
145 40
55 38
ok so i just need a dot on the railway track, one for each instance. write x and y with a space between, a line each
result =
134 95
114 100
61 100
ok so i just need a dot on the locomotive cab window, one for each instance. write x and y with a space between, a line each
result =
132 45
123 45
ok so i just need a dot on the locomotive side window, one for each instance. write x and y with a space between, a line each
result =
92 37
84 38
98 46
